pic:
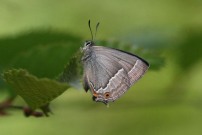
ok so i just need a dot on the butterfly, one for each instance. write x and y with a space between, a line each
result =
108 72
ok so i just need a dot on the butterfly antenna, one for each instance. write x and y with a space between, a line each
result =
90 29
96 28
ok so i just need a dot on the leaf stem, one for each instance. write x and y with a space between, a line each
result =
7 104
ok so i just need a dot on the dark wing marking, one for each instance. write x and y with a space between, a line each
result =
85 83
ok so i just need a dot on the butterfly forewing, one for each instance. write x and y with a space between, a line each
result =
99 70
132 64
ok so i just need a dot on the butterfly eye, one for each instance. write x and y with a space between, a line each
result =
107 95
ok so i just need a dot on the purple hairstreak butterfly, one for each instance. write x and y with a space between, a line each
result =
109 73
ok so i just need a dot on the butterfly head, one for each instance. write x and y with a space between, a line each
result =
87 45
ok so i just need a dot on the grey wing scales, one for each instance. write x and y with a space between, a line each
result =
112 71
99 71
132 64
105 75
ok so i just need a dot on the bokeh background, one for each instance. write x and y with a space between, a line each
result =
41 35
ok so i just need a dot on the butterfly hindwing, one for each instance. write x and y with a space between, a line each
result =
112 71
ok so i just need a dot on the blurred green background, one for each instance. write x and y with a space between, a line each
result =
42 35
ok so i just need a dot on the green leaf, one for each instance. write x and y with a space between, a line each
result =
188 52
36 92
42 52
22 44
72 71
53 57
